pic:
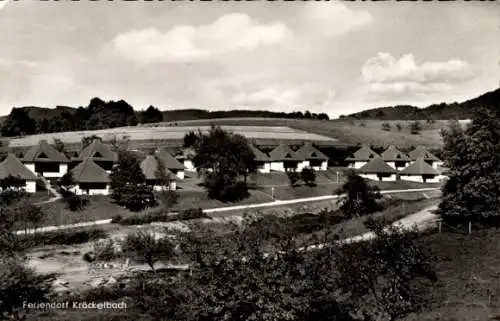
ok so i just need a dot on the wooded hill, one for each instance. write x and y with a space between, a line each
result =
102 115
442 111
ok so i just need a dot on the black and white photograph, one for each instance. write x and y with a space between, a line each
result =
190 160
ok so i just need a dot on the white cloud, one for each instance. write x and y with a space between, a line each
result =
286 97
384 74
334 18
3 3
184 43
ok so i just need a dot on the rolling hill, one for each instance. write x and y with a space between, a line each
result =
442 111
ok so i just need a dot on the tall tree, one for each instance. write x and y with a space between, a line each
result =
18 123
128 183
151 115
473 160
223 157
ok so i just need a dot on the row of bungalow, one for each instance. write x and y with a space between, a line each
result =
91 167
419 165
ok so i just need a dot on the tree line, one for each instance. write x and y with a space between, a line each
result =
102 115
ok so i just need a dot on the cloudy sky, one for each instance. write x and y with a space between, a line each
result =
331 57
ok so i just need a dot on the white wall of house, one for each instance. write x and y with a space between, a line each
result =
78 191
180 174
357 164
172 187
30 186
375 177
437 164
322 167
419 178
393 165
302 165
277 166
189 165
264 168
31 167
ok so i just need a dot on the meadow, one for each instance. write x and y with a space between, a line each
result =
263 132
175 134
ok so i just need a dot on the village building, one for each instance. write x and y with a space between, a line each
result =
186 157
100 153
43 159
12 166
422 152
378 170
171 163
395 158
262 161
284 159
420 171
361 157
312 158
149 167
90 178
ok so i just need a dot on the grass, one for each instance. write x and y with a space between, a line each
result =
195 199
468 271
100 208
350 132
343 133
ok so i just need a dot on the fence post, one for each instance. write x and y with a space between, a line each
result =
470 227
439 228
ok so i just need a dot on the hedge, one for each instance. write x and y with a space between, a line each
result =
188 214
63 237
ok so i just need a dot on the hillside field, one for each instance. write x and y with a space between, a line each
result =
263 132
346 132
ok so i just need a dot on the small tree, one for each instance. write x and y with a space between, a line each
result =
66 182
191 139
308 176
386 127
360 198
12 190
399 127
146 247
87 140
59 146
415 128
293 178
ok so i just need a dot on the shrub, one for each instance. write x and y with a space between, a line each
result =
386 127
63 237
104 250
308 176
293 177
399 127
188 214
415 127
87 257
116 219
75 202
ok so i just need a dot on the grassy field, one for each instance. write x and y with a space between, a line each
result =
177 133
265 132
351 132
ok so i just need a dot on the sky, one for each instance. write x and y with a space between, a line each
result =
333 57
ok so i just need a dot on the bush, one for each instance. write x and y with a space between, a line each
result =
104 250
188 214
308 176
293 177
75 202
386 127
415 128
63 237
399 127
116 219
